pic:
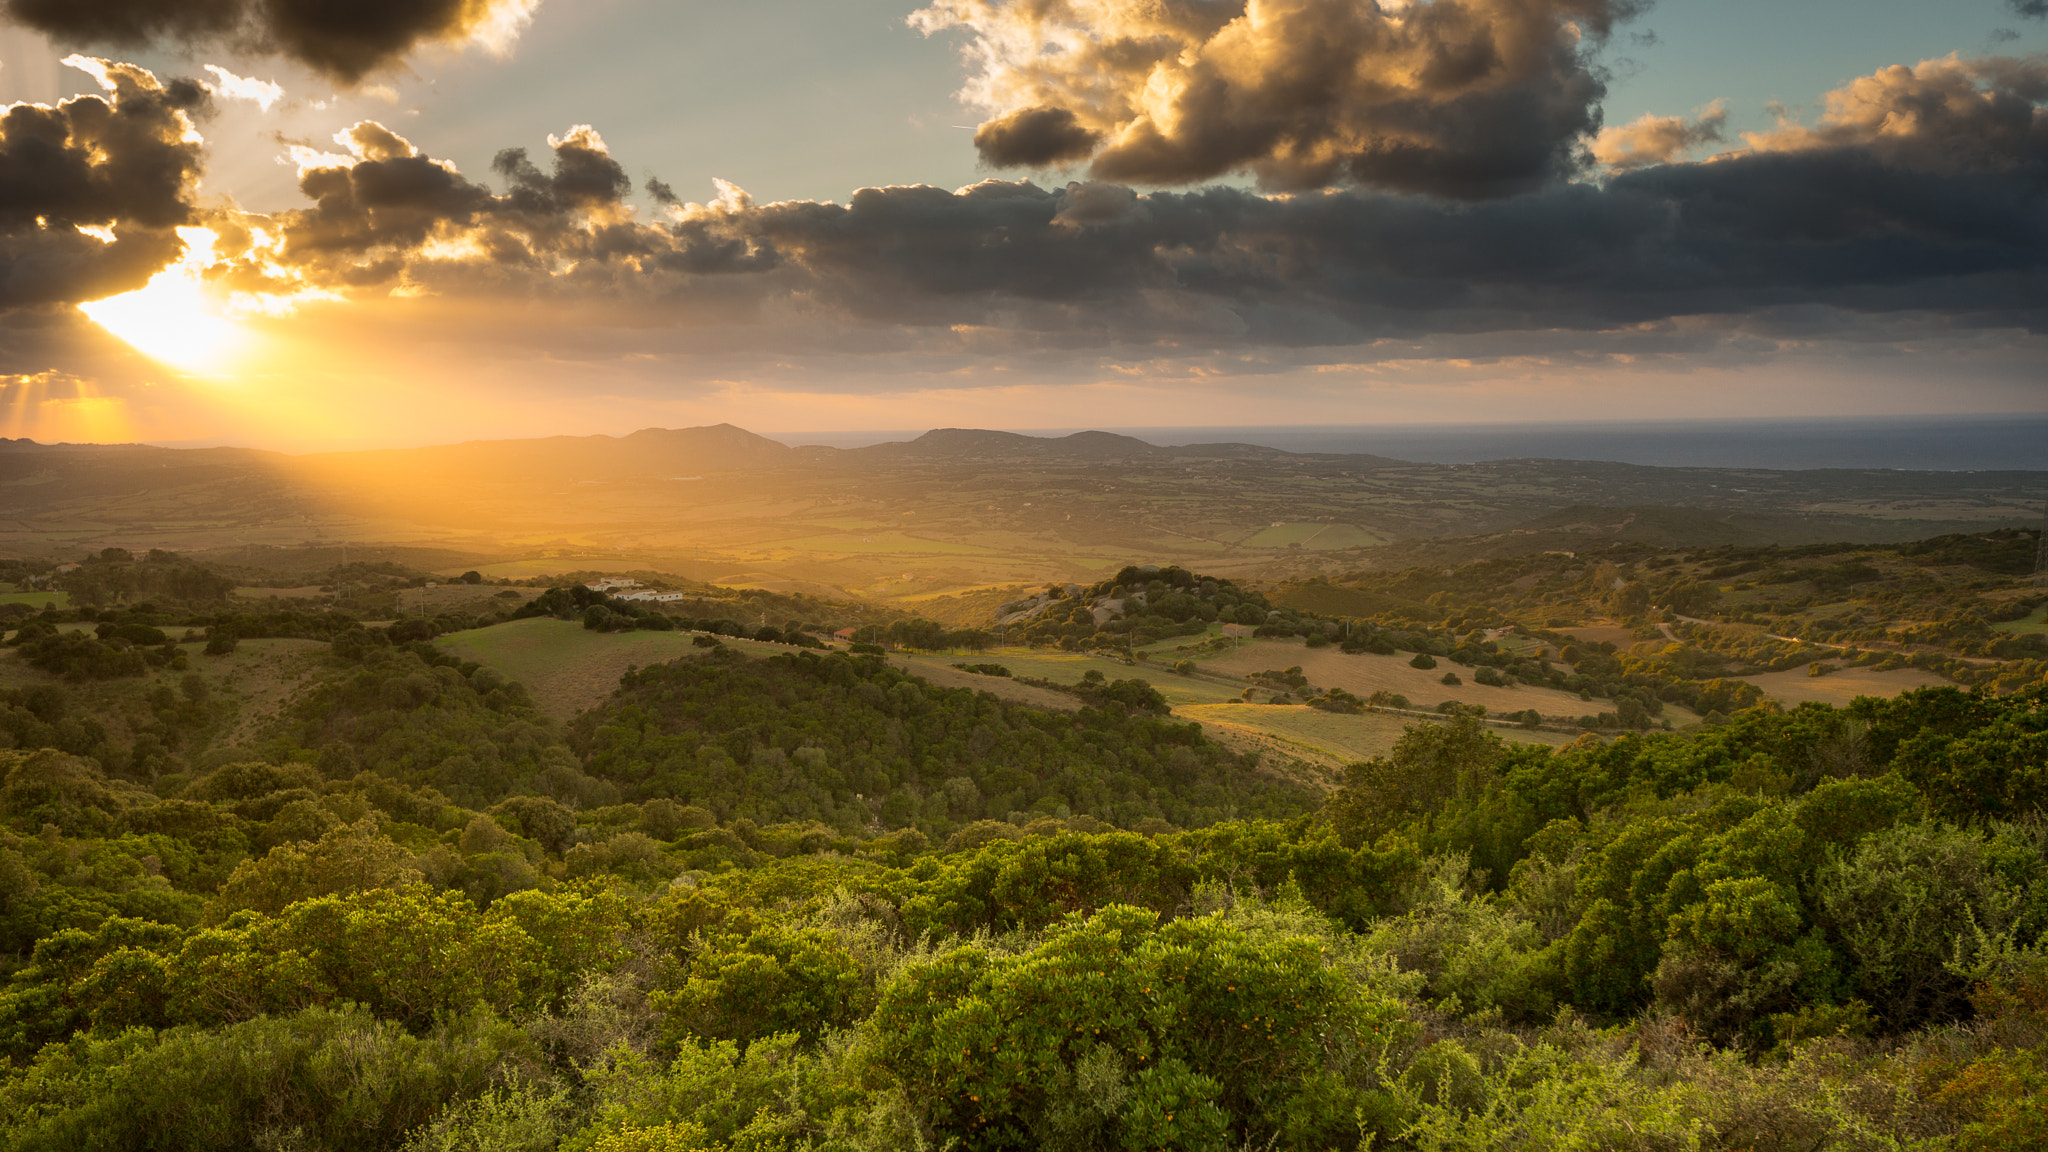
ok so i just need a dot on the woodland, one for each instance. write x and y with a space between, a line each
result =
299 878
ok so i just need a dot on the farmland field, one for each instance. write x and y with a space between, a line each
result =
566 667
2034 623
37 599
1324 738
1365 673
1069 667
309 592
1281 535
1601 633
1795 687
528 569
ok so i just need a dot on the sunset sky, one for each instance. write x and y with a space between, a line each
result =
241 221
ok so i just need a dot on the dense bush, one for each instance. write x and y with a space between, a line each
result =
850 739
814 902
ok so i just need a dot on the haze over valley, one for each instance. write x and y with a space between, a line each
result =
951 509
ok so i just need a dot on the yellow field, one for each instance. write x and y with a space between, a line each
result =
1313 537
1795 687
527 569
1365 673
1325 739
883 543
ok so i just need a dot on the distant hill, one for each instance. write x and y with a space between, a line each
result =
650 452
977 442
984 445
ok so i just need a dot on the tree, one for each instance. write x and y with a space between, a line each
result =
1430 766
1117 1032
1630 600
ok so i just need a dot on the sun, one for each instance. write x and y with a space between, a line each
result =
173 318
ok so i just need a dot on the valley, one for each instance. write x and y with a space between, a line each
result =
949 511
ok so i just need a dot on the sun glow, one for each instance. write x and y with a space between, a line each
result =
174 318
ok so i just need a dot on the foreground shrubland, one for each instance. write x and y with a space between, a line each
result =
1816 929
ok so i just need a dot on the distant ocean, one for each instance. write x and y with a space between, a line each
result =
1932 443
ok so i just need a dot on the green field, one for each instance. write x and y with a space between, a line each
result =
2034 623
1069 667
37 599
566 667
251 686
1343 536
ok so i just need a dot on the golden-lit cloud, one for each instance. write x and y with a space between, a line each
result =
92 189
1951 114
1653 139
545 278
262 93
1464 98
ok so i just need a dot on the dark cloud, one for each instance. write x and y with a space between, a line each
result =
123 165
1459 98
2029 9
384 215
1035 138
342 39
1941 216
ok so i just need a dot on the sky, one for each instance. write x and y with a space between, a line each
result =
291 224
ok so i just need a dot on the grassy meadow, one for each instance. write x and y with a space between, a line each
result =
566 667
37 600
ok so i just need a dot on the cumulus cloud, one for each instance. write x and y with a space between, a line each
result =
1653 139
1947 115
1853 217
1841 228
92 189
344 41
1461 98
262 93
1036 138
